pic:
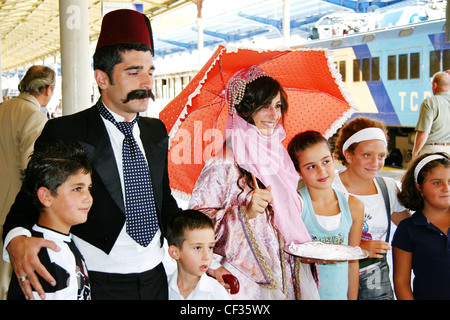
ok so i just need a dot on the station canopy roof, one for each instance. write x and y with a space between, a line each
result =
29 29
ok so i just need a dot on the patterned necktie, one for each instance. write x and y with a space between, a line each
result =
140 209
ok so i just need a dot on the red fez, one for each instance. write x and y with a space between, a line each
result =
125 26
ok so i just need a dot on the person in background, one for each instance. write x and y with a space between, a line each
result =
191 240
21 122
122 239
432 132
57 181
420 242
249 189
328 215
362 147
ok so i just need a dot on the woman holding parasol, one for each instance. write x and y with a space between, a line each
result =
249 190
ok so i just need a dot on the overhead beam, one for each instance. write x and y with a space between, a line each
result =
300 23
188 45
228 37
277 23
362 5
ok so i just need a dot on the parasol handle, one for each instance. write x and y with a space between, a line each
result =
254 181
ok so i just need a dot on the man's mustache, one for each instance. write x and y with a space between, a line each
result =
139 94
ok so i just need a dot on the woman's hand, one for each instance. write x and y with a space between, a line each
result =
218 274
376 248
261 198
225 278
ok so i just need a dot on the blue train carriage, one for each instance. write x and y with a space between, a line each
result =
388 73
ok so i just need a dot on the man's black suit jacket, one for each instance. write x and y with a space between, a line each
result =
107 215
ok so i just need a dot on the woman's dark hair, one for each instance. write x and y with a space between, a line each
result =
50 165
258 94
303 141
409 196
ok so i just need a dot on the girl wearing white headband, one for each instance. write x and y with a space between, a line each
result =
420 243
362 148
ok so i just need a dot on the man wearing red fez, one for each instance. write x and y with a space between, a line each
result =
123 236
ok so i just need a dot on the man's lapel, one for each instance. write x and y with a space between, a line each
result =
99 151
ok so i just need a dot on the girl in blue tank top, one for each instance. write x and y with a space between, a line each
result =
328 215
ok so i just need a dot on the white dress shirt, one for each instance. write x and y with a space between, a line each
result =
207 288
126 256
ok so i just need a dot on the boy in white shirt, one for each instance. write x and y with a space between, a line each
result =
191 239
58 181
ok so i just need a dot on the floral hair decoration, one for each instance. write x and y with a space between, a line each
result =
236 85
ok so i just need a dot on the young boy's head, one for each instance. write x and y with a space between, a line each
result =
58 180
191 239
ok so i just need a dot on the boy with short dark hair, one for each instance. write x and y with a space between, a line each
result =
57 181
191 239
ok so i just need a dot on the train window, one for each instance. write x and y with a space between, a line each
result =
414 65
375 69
392 67
435 62
446 59
403 66
356 76
366 69
342 70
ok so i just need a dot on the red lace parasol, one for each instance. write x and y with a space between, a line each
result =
196 118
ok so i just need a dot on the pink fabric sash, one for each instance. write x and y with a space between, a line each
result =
269 161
